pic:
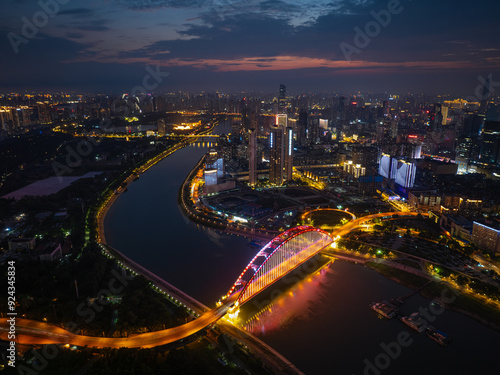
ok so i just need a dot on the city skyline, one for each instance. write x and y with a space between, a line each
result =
249 186
229 45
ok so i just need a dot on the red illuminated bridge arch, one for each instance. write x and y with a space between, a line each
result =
281 255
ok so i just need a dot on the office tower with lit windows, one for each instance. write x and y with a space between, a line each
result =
282 99
405 173
252 157
282 120
487 237
289 154
276 162
161 127
302 127
215 162
490 143
281 145
210 176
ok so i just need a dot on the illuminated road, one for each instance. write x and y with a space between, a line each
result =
33 332
358 222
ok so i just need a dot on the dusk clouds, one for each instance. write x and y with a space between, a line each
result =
222 44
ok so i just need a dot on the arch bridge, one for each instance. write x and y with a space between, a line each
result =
278 257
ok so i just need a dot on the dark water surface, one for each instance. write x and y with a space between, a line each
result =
322 324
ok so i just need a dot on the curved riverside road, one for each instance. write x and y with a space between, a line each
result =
33 332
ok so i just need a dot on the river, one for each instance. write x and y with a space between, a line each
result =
322 324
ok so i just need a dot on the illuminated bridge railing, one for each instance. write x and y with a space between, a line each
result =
280 256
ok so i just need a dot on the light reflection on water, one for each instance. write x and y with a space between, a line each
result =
296 302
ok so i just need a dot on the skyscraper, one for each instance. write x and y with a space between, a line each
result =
405 174
282 120
161 127
281 144
302 127
289 154
252 157
276 143
490 145
282 99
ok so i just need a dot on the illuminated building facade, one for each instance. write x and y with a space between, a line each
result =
402 171
213 161
282 99
486 237
276 162
289 154
161 127
490 146
252 157
282 120
387 167
356 170
210 177
406 172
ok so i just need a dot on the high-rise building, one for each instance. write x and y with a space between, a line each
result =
4 119
386 108
490 144
161 127
394 128
213 161
281 144
210 176
486 237
15 118
463 154
276 162
385 166
472 124
252 157
245 118
444 111
289 154
282 120
405 175
313 130
302 127
282 99
356 170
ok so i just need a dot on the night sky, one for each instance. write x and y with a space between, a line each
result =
431 46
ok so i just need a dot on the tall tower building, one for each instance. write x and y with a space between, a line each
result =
15 118
394 128
282 120
302 127
386 108
282 99
289 154
252 157
490 144
161 127
281 144
444 111
276 162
